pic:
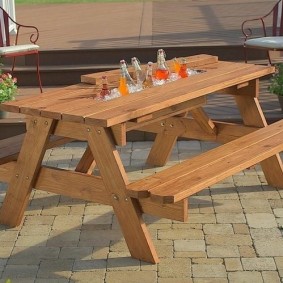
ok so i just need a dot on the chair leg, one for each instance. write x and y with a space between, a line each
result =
38 73
269 58
245 55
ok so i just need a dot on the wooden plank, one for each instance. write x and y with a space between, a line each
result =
218 170
127 210
203 120
252 114
140 189
87 163
28 164
119 132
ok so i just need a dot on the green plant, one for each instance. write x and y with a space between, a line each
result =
8 87
276 82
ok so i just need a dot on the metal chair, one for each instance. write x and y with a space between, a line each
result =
9 49
267 38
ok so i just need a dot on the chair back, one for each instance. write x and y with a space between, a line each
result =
277 26
4 28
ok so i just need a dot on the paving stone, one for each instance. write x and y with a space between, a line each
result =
30 230
240 228
34 240
39 220
218 229
55 268
207 261
269 248
230 218
261 220
118 261
227 206
175 234
179 280
8 236
190 254
59 238
58 210
247 251
256 206
88 265
20 271
223 191
207 270
245 277
222 251
271 276
67 222
189 245
258 264
257 192
278 212
232 240
268 233
50 280
233 264
174 268
75 253
202 218
32 255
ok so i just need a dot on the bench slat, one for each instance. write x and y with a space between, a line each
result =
10 147
185 179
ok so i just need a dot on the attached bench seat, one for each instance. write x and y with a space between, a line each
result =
10 147
183 180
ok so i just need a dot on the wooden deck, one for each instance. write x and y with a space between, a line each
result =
140 24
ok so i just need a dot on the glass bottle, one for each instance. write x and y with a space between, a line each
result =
148 82
176 65
123 87
105 90
139 75
124 70
183 68
162 71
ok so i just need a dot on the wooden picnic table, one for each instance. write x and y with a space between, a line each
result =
171 110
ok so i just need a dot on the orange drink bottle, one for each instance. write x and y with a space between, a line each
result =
176 65
123 87
162 71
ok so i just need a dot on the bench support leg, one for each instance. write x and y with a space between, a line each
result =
26 170
252 115
87 162
127 210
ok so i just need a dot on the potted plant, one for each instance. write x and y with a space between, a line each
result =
276 85
8 89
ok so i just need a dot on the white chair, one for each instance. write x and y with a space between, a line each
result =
271 39
9 49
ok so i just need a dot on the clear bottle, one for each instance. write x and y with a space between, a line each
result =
148 82
124 70
105 90
139 75
162 70
183 68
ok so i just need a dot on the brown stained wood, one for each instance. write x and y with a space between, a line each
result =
250 89
127 210
87 163
17 196
71 130
218 170
169 177
203 120
119 132
73 184
177 211
175 110
161 149
253 115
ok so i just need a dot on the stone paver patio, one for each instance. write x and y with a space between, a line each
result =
234 231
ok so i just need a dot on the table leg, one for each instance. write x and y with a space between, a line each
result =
25 173
127 210
252 115
87 162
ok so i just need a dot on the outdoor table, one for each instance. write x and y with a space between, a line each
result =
172 110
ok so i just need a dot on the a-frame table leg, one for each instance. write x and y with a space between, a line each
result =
26 170
87 162
127 210
252 115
